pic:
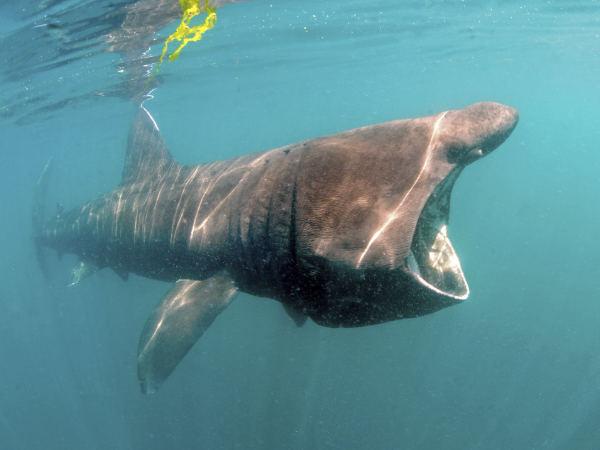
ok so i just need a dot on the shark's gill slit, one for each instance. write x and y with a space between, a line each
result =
432 259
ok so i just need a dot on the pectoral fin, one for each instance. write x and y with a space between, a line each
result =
177 323
298 317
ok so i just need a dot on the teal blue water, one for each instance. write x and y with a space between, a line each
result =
514 367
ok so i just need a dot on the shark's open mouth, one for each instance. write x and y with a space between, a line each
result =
432 260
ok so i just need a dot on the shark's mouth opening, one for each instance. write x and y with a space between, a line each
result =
432 259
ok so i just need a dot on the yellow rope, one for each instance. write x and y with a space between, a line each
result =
186 33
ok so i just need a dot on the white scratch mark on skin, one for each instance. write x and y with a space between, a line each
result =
97 217
155 207
201 202
176 223
394 214
151 118
145 210
209 188
137 208
251 165
150 205
117 216
135 211
145 207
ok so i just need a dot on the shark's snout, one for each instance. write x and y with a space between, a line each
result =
476 130
464 136
495 122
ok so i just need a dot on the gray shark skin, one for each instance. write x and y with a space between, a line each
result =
348 230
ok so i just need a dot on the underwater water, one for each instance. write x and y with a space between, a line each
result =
514 367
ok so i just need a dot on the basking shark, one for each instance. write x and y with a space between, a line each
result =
348 230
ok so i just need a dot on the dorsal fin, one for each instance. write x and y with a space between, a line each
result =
147 154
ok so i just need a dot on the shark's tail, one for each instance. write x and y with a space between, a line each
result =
38 215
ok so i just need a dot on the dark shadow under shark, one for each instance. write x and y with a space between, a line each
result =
349 230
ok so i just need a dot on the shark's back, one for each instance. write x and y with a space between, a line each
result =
158 221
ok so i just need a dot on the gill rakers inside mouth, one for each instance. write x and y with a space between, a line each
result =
432 259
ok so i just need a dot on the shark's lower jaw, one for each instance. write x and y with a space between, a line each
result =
432 261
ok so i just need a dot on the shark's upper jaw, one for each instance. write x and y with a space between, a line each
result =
469 134
432 261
